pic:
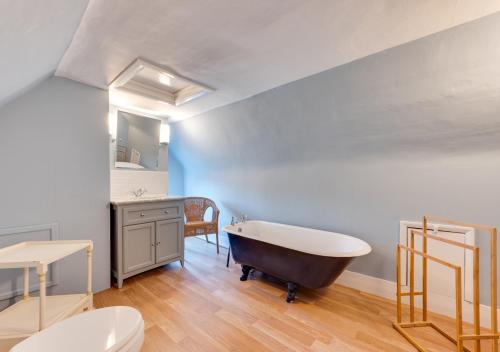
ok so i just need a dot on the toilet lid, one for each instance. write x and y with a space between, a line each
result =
100 330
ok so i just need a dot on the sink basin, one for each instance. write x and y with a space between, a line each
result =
150 196
144 198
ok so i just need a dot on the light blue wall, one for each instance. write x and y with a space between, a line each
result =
175 176
54 168
356 149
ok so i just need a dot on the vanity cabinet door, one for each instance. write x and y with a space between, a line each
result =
169 239
138 246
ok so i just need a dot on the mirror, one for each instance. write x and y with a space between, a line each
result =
137 144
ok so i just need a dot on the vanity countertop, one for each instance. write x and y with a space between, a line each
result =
143 199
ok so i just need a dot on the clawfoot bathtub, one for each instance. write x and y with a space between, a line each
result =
297 255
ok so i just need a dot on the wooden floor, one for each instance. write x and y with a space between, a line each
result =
204 307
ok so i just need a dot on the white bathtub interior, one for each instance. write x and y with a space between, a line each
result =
318 242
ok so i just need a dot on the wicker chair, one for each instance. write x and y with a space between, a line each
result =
194 209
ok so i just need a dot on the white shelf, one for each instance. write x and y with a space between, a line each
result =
21 318
32 314
39 253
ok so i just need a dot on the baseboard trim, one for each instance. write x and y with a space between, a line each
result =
437 303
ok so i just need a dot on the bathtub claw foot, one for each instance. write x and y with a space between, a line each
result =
292 289
246 270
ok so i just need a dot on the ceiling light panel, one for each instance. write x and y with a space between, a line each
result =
152 81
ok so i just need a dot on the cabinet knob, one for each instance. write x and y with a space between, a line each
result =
166 211
142 215
152 244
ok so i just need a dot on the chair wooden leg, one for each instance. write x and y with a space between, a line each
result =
206 237
217 240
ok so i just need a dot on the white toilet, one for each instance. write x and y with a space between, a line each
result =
113 329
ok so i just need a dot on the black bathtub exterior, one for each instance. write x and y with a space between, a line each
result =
294 267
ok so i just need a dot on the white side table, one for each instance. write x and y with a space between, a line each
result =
32 314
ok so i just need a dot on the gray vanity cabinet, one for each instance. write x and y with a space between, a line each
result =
168 243
138 246
145 235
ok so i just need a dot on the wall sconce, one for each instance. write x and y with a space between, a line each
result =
164 133
112 123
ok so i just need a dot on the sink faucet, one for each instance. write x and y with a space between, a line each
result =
139 192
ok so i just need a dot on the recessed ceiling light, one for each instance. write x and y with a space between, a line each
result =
164 79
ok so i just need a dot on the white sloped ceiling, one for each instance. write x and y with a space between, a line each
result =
34 35
242 48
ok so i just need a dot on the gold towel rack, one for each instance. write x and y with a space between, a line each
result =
460 337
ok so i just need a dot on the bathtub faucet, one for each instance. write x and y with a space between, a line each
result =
242 218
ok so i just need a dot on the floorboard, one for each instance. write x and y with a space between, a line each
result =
204 307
